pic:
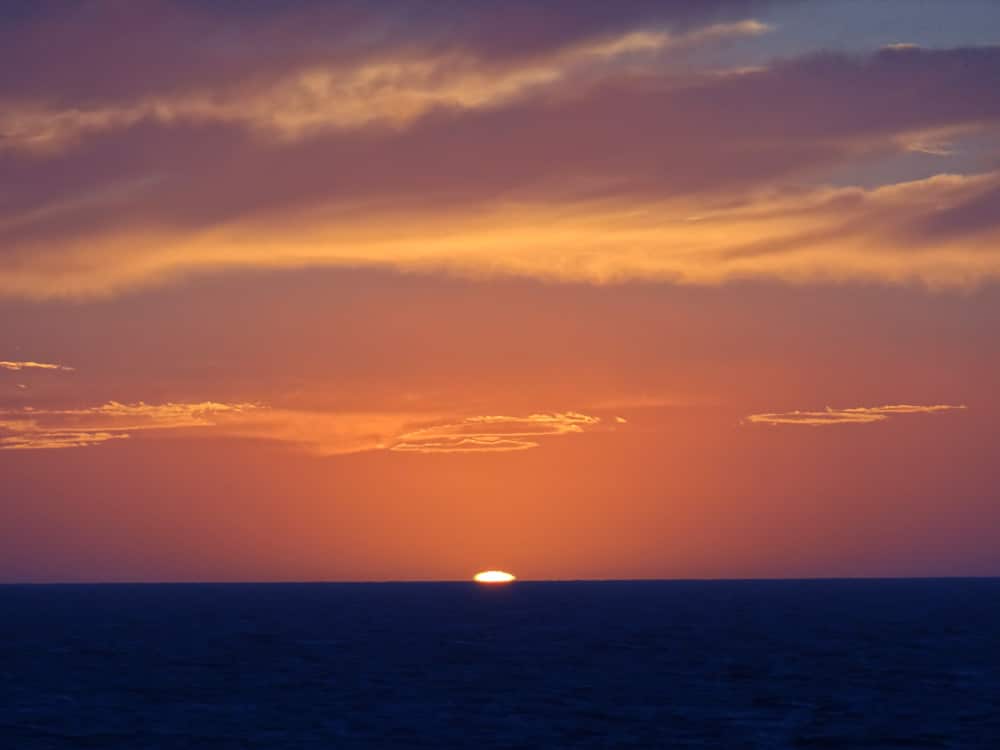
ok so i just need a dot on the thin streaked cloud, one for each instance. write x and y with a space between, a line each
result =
802 236
40 429
319 433
22 365
387 91
493 433
854 415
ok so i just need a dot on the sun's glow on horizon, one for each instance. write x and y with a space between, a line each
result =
493 576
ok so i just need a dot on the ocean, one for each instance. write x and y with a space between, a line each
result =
617 664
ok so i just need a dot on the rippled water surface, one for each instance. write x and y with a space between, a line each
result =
742 664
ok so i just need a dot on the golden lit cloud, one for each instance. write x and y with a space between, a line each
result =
8 365
338 433
856 415
596 157
492 433
320 433
31 428
26 434
392 91
822 234
324 433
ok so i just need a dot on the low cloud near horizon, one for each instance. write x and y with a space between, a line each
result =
854 415
17 366
319 433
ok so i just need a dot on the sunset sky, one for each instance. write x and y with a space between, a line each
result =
411 289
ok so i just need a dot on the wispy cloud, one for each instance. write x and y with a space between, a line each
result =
573 153
854 415
320 433
27 434
393 91
30 428
800 236
16 365
492 433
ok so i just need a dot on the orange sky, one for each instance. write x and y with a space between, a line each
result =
318 291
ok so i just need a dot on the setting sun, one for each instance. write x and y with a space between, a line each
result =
493 576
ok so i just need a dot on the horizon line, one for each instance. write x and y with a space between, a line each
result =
388 581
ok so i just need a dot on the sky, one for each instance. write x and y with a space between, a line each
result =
411 289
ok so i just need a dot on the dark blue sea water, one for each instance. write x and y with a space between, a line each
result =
751 664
